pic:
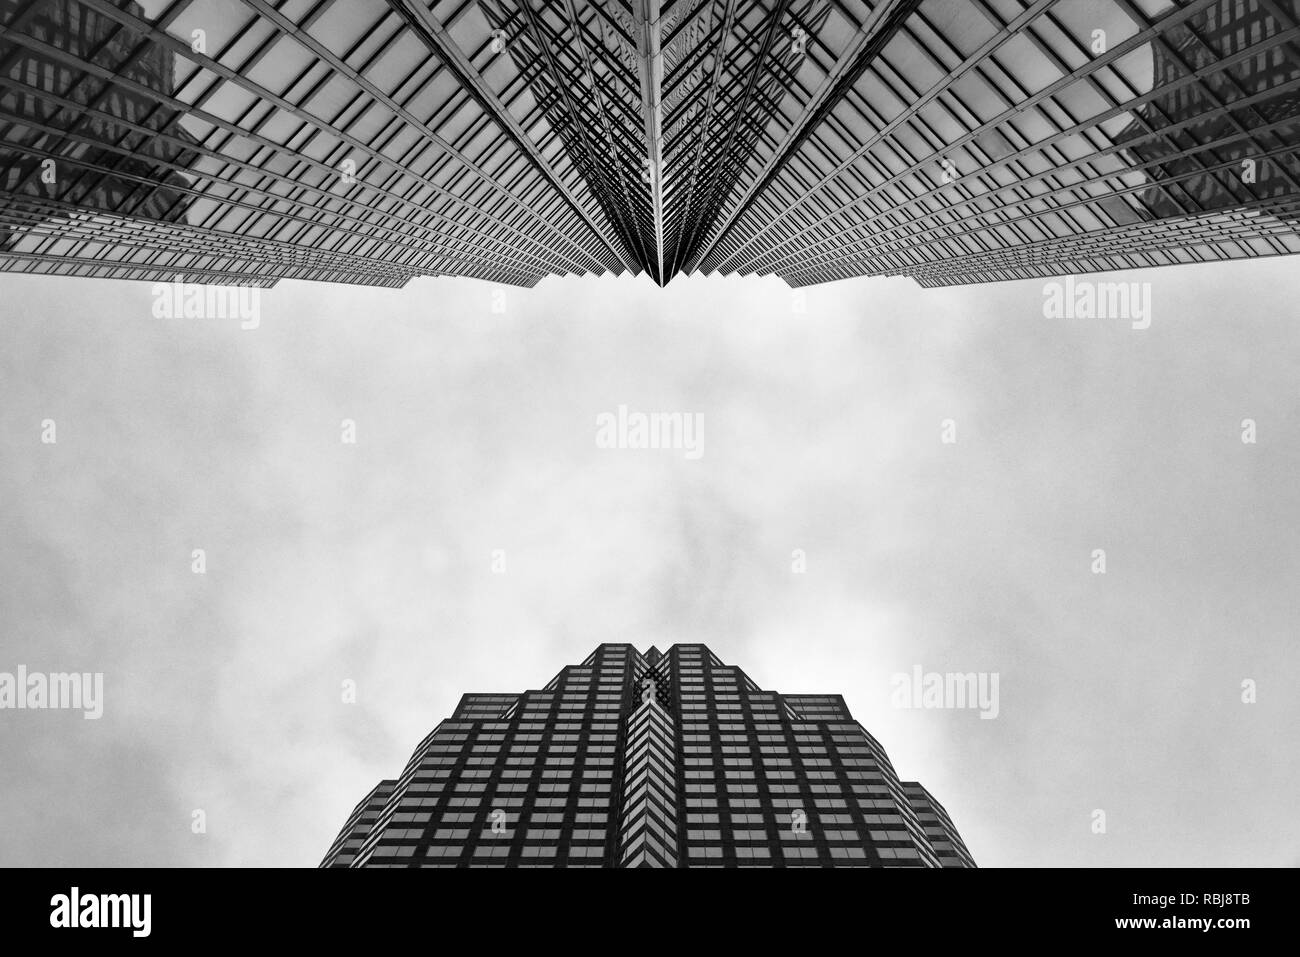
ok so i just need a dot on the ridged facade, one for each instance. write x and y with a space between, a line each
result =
377 141
634 759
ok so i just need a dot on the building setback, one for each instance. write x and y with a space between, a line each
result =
649 760
378 141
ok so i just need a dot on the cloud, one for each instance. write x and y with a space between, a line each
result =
372 562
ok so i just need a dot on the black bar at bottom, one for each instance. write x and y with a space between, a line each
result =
336 908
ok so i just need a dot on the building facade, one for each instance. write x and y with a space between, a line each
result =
379 141
650 759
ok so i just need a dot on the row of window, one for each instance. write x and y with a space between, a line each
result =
487 834
807 853
501 799
526 744
503 787
466 817
533 850
743 818
510 773
789 833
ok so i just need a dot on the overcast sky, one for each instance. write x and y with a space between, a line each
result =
822 431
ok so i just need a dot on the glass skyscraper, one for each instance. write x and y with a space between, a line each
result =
650 759
377 141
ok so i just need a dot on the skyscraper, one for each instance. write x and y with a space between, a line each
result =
376 141
649 760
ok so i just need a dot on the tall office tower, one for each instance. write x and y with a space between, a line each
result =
649 760
39 126
376 141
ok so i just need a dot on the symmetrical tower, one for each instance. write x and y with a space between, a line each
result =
649 760
376 141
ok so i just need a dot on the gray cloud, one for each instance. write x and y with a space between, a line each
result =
372 563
